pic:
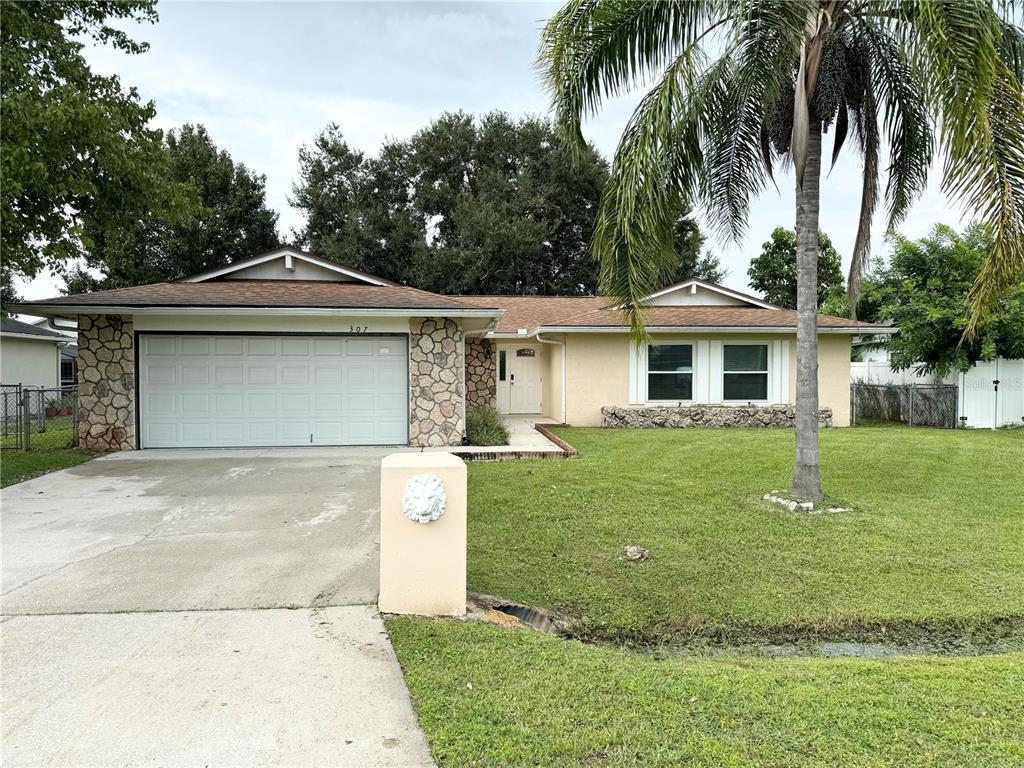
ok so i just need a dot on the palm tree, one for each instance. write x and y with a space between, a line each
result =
740 86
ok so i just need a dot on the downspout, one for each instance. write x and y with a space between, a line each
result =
561 344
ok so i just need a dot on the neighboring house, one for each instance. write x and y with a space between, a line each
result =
288 348
68 352
29 355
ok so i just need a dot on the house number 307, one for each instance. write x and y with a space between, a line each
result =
358 328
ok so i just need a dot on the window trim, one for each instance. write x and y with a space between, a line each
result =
647 369
767 372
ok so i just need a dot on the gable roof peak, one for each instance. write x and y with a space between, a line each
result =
693 283
288 252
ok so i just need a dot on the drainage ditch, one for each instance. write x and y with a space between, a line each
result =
997 637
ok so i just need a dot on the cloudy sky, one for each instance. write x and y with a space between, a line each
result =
265 78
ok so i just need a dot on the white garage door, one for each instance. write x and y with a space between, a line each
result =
202 391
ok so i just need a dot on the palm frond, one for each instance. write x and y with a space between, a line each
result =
904 103
748 78
980 102
867 131
656 169
592 50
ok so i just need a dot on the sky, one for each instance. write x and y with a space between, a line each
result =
266 77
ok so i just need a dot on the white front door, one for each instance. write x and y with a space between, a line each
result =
519 379
226 390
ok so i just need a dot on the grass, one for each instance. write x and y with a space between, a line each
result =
934 545
935 538
485 427
488 696
51 450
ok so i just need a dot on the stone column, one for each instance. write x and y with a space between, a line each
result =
481 373
106 383
437 403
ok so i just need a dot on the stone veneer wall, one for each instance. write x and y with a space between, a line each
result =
437 404
705 416
481 374
106 383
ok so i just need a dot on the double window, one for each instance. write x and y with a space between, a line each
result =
744 372
670 372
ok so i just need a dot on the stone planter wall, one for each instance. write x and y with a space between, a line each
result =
106 383
705 416
481 374
437 376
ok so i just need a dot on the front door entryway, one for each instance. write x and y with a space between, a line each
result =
519 378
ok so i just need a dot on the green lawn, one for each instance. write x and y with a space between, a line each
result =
51 450
935 537
935 544
537 700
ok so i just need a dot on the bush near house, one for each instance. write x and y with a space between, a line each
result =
485 427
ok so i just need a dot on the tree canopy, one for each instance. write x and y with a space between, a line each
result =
233 222
494 205
773 272
924 291
77 154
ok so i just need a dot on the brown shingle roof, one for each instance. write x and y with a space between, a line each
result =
709 317
531 311
595 312
265 293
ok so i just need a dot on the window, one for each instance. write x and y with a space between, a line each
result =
670 372
501 365
745 372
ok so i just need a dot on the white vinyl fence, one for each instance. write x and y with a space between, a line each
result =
991 394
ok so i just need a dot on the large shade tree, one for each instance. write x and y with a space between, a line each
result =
742 86
231 222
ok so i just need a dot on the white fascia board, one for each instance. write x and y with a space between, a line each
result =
34 337
289 252
701 329
714 288
56 309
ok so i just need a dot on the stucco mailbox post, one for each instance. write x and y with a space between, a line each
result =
423 534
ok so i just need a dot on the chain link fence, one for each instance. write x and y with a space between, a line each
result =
37 417
917 405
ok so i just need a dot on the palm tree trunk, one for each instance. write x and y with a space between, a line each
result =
807 474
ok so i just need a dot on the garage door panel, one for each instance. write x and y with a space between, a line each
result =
195 404
227 345
272 390
294 374
325 374
195 374
330 347
261 374
261 345
264 403
196 346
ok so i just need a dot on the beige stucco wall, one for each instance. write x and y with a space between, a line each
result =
551 370
598 371
29 362
597 374
834 376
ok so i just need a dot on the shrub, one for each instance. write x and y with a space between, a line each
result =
484 427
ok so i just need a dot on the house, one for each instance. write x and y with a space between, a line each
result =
68 352
287 348
30 355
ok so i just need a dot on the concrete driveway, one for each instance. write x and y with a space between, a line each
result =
200 607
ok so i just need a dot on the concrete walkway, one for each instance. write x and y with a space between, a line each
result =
200 608
524 442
